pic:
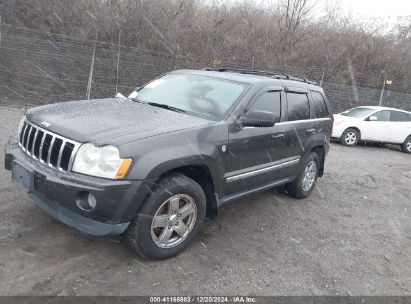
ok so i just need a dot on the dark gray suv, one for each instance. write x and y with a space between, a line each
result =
154 164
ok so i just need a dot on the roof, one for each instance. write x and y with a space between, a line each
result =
245 78
249 78
382 108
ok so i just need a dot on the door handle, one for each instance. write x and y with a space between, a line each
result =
310 131
278 136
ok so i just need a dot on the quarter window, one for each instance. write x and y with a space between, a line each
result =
400 116
269 102
298 106
319 107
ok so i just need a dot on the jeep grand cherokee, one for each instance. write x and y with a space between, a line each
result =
152 165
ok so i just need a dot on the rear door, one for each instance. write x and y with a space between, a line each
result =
298 125
399 127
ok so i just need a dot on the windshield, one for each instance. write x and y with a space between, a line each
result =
196 95
358 112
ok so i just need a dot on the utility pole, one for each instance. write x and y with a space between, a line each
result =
382 90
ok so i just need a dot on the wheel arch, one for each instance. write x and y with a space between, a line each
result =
320 151
201 174
355 128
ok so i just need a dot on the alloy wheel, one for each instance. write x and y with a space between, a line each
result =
174 221
310 173
350 138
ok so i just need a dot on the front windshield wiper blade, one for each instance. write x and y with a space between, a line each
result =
135 99
164 106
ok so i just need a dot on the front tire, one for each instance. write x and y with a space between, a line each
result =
350 137
406 146
304 184
169 220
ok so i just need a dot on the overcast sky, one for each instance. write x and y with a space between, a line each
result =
377 8
389 10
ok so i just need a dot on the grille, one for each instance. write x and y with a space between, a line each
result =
47 147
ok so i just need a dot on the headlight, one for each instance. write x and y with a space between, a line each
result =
21 123
101 162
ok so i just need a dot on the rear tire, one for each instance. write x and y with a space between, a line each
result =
406 146
304 184
169 220
350 137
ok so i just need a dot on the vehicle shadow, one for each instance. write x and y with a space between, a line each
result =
373 145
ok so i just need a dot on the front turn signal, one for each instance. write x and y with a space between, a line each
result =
124 167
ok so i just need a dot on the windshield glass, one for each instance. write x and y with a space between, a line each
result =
196 95
357 112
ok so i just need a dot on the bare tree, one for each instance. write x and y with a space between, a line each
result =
292 14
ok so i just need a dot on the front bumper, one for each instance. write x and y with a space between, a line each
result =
56 192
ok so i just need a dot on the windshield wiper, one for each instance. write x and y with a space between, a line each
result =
135 99
164 106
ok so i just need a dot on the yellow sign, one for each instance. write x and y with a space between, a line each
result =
389 82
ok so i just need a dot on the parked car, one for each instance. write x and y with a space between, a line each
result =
188 142
374 124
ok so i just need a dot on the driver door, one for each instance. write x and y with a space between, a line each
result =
251 150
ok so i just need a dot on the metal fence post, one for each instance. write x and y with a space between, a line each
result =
176 57
382 90
90 76
0 30
118 59
322 77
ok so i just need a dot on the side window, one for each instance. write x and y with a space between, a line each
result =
319 106
269 102
298 106
382 115
399 116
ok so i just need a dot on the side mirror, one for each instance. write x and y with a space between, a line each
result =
373 118
119 95
259 119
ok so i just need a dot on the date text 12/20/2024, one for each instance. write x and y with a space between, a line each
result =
203 299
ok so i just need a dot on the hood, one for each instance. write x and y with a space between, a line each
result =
112 121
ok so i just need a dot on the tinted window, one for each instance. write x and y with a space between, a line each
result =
382 115
319 106
269 102
298 106
399 116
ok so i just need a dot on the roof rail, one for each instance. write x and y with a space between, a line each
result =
275 75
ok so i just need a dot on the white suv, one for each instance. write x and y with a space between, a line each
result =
377 124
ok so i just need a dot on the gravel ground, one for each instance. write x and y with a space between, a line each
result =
352 236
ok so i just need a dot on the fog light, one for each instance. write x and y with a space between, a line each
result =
86 201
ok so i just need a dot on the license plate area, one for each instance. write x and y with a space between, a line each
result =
22 176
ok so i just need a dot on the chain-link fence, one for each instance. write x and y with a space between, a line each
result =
38 68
